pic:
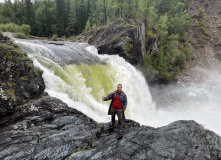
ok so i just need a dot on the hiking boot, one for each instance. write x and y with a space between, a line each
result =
120 132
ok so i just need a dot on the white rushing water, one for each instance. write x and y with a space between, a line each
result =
81 86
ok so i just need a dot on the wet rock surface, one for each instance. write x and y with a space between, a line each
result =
48 129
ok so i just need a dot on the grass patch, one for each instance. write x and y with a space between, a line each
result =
11 48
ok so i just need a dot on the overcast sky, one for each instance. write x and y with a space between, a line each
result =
4 0
12 0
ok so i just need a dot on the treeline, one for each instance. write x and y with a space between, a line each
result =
172 20
67 17
72 17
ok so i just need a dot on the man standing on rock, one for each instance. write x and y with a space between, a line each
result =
117 106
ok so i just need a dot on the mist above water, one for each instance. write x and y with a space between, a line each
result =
198 101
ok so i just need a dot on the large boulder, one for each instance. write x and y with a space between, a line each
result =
19 79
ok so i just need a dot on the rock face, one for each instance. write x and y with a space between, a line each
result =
178 140
44 129
126 39
19 79
48 129
204 37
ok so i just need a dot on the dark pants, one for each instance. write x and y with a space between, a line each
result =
119 113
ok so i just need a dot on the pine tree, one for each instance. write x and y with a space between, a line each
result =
60 8
104 12
29 13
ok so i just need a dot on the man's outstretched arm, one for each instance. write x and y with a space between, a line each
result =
108 97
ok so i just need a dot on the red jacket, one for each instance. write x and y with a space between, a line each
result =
122 99
116 103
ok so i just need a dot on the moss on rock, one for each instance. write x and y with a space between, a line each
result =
128 46
19 79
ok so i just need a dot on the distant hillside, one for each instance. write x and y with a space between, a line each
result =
204 37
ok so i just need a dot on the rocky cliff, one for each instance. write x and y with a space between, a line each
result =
46 128
204 38
19 79
125 38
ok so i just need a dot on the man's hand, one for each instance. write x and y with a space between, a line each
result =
102 98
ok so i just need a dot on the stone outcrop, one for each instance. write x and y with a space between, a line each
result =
125 38
19 79
44 129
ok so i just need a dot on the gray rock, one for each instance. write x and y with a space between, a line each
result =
41 130
123 39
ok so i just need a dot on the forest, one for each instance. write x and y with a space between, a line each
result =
65 18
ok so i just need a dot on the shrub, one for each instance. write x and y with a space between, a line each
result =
12 27
54 37
21 35
26 29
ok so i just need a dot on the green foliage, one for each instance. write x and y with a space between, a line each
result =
54 37
13 52
5 46
128 46
150 33
26 29
202 21
21 35
12 27
172 20
88 26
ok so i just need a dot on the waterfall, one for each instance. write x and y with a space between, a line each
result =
82 85
79 76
